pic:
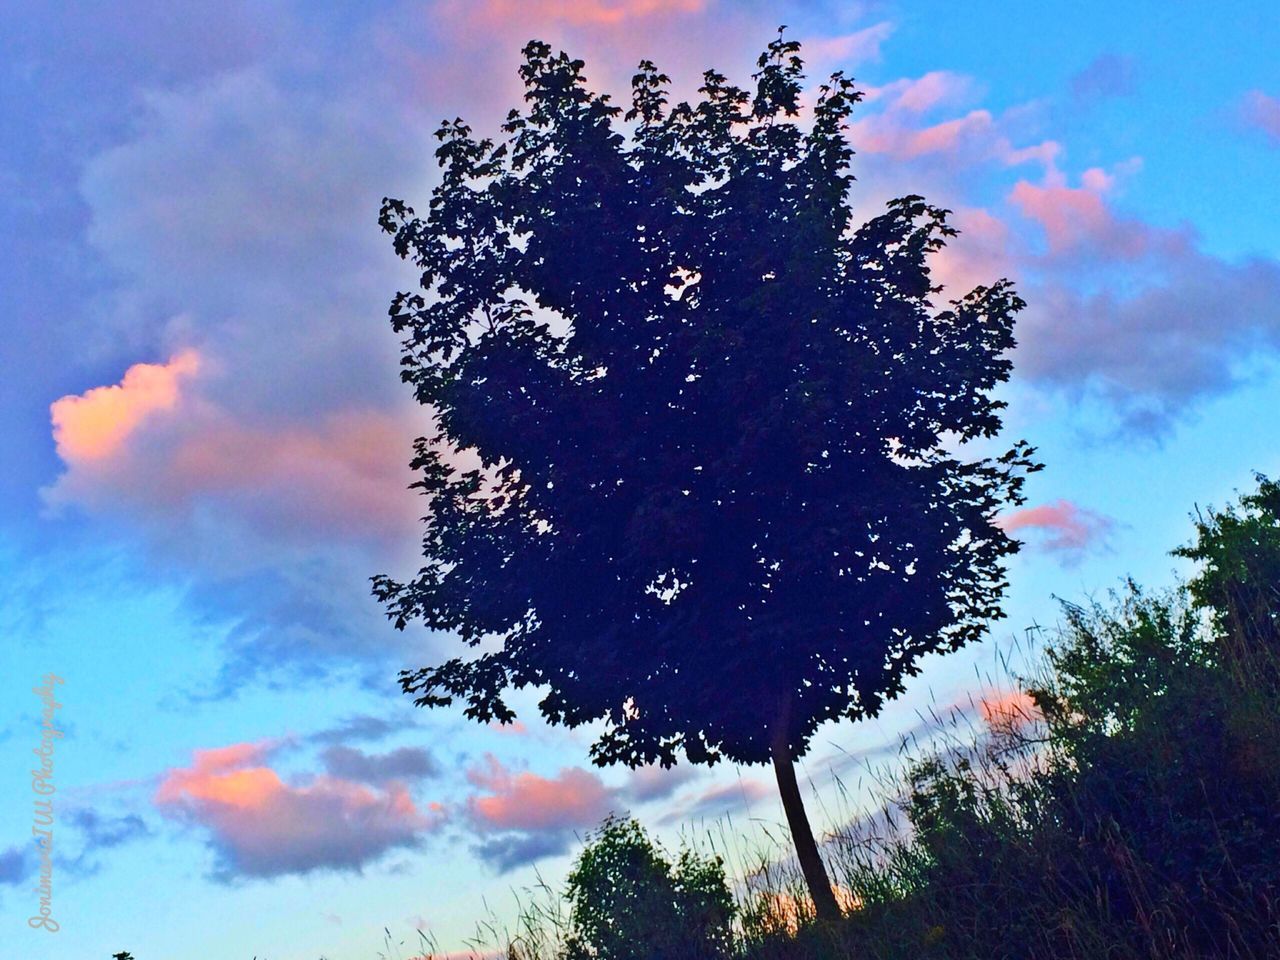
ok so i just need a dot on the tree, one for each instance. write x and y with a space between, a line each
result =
628 902
694 470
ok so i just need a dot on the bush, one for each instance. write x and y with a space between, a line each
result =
629 903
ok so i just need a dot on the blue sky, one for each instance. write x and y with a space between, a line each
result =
207 443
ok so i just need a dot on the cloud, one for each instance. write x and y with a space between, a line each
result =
1262 112
531 816
719 801
1107 75
234 221
1125 316
516 728
260 826
361 728
1171 330
510 851
401 764
1065 528
1008 712
104 831
657 783
586 12
259 453
732 796
978 256
100 832
856 48
1078 222
915 95
16 864
1133 314
574 798
343 475
483 38
974 130
1120 311
94 426
898 129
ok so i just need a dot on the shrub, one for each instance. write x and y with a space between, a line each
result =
628 902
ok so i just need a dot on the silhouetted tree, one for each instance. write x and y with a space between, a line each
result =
695 470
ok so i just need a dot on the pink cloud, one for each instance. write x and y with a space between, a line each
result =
516 728
344 474
1070 216
523 817
944 137
261 826
585 12
681 36
918 94
937 86
574 798
1117 306
1262 112
1066 527
97 423
1130 313
976 136
858 47
980 254
1079 220
152 447
1008 712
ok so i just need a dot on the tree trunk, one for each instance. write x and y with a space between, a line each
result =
815 874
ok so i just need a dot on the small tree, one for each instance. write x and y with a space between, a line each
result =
695 471
628 902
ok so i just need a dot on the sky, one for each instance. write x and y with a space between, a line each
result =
206 442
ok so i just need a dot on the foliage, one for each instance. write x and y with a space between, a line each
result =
629 902
1239 580
696 471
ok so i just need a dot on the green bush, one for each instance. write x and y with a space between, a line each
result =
628 902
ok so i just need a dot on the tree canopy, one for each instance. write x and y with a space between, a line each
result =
698 468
